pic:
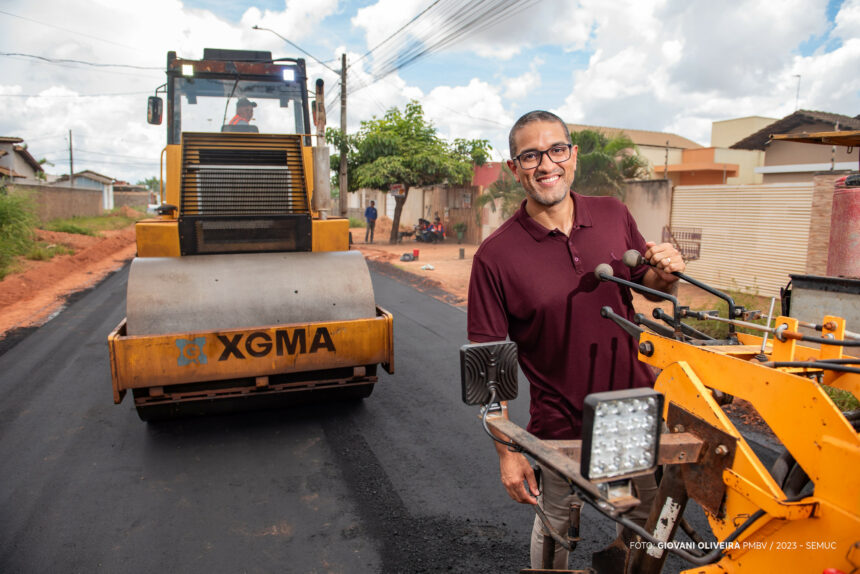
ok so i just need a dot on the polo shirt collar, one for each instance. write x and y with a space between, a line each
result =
581 218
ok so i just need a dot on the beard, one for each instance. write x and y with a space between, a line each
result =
547 201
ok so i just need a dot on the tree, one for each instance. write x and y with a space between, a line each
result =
403 148
151 183
604 163
506 188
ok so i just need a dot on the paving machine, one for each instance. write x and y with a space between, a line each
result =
244 293
801 515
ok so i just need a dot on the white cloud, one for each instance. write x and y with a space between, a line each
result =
678 65
111 131
297 21
520 87
471 111
640 64
847 20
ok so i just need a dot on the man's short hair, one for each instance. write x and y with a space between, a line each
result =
535 116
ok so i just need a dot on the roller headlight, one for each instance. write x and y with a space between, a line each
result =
620 433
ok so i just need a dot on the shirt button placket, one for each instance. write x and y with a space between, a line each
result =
574 256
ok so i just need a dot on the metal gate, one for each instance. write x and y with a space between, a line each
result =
752 236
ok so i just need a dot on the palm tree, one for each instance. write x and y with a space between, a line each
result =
604 163
505 188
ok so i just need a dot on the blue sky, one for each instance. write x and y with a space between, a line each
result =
663 65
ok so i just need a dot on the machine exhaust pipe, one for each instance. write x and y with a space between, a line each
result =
321 201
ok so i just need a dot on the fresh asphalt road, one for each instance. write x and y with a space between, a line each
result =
404 481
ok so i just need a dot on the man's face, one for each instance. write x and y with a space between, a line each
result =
548 183
246 112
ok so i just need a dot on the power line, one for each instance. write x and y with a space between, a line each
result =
459 19
458 112
67 30
406 25
85 63
42 60
69 61
118 94
111 154
297 47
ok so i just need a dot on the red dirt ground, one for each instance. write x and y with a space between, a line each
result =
32 296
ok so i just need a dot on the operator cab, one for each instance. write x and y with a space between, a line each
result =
202 95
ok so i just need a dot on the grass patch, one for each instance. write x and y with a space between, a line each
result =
353 222
749 301
844 400
17 225
45 252
66 226
119 218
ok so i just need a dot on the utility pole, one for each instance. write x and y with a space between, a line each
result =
342 172
665 162
71 162
797 95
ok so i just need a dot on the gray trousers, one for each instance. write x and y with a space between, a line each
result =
555 500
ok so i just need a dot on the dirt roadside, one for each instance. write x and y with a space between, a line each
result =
33 295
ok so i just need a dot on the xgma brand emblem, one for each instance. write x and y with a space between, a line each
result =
191 351
260 344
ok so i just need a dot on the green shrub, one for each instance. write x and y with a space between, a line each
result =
844 400
17 224
118 218
66 226
353 222
44 251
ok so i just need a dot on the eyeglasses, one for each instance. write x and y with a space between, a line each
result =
557 154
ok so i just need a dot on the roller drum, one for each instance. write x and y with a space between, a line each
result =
223 292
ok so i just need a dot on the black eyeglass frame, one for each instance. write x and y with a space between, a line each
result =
542 153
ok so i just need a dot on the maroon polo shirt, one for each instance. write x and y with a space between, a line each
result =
538 286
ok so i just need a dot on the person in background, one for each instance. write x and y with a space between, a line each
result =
438 231
370 218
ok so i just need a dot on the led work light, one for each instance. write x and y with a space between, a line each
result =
289 75
620 433
187 70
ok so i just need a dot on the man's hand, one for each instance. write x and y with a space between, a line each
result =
665 260
516 471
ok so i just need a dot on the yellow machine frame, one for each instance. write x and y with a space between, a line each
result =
808 534
817 532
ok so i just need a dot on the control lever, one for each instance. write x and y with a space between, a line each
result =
663 330
661 315
604 272
633 258
632 329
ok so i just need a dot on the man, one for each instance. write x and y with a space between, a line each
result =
533 280
370 218
438 231
244 112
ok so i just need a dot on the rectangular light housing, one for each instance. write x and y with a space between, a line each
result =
620 433
187 70
289 75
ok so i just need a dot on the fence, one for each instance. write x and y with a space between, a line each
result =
61 202
751 236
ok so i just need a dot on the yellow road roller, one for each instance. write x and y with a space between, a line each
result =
244 293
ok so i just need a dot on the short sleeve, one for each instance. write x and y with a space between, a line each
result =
486 317
637 242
